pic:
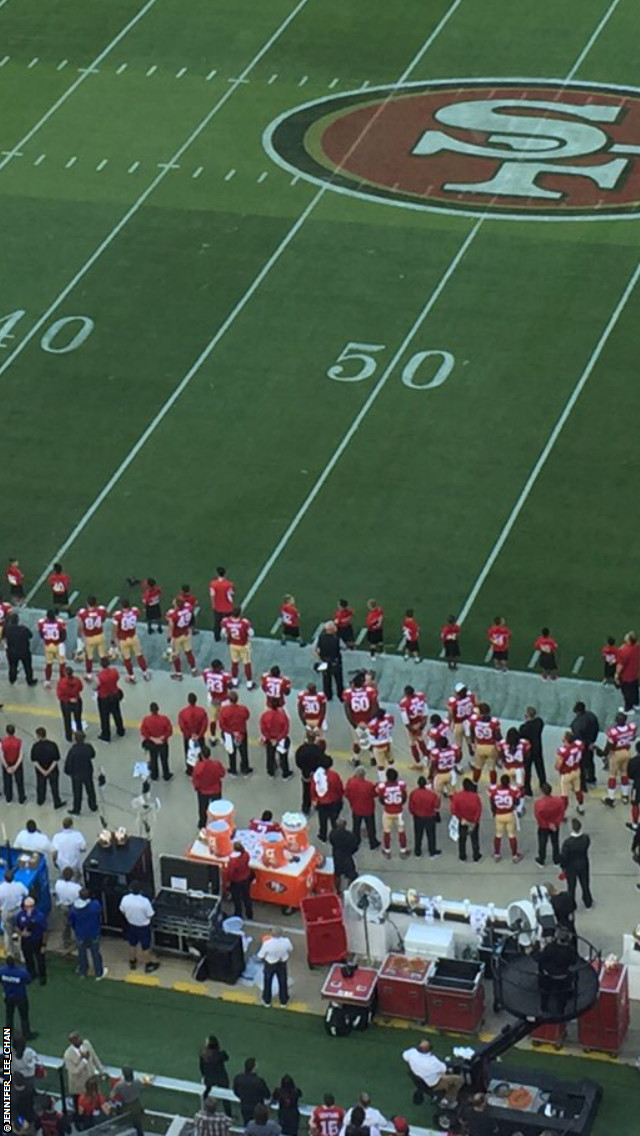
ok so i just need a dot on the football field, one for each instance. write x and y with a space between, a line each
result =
341 294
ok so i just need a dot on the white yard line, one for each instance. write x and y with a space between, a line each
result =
577 666
81 78
533 660
360 637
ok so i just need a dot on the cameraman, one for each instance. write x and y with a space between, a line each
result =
328 649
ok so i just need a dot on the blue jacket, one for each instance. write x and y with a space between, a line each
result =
35 924
85 918
15 980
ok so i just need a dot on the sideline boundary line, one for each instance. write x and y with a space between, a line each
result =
241 304
77 82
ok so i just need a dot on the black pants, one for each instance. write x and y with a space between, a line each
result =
11 779
218 616
473 833
532 762
544 836
424 826
35 960
110 708
275 970
333 674
274 756
629 691
370 825
53 780
27 665
71 712
242 749
153 614
158 753
306 796
22 1006
203 805
77 784
241 896
327 817
587 768
209 1085
580 876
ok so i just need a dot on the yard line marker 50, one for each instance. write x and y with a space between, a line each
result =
78 82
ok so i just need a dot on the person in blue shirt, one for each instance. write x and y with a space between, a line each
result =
85 918
31 925
14 980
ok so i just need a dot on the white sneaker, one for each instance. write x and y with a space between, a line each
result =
129 678
146 676
251 686
105 971
47 684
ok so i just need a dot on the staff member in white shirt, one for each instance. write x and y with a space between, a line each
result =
68 846
30 839
373 1118
429 1069
138 913
12 893
66 891
275 952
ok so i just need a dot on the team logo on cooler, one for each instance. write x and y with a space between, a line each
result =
500 147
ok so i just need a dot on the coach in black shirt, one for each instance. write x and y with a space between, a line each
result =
328 650
18 641
586 727
308 758
45 755
531 729
79 767
574 861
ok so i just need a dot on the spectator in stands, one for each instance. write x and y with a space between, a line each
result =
127 1094
209 1122
531 730
287 1096
92 1105
213 1069
250 1089
261 1125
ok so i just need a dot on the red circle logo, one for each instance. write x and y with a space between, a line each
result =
517 149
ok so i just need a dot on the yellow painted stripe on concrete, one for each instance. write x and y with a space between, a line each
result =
141 979
189 988
239 996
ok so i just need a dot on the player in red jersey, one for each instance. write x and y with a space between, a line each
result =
569 763
374 621
610 660
218 684
221 593
413 709
275 685
151 596
504 798
312 711
461 707
360 701
179 622
290 622
5 610
547 647
15 580
514 752
326 1118
393 795
124 636
343 619
620 738
60 584
485 734
186 595
381 734
450 639
499 637
239 633
410 636
91 640
445 762
53 632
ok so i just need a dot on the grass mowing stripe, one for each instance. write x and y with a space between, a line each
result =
81 79
273 259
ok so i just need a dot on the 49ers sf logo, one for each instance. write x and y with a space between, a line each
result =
503 147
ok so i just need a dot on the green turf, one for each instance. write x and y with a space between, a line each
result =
415 503
161 1031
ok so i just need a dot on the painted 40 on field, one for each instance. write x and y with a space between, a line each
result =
519 149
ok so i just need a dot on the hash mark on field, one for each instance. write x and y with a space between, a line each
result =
211 74
168 166
39 160
89 70
333 83
196 173
132 169
62 64
229 175
275 626
304 79
273 78
70 163
152 69
12 153
238 81
263 175
112 603
74 596
488 655
577 665
5 60
181 72
121 68
102 164
33 63
295 179
360 636
364 85
533 660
